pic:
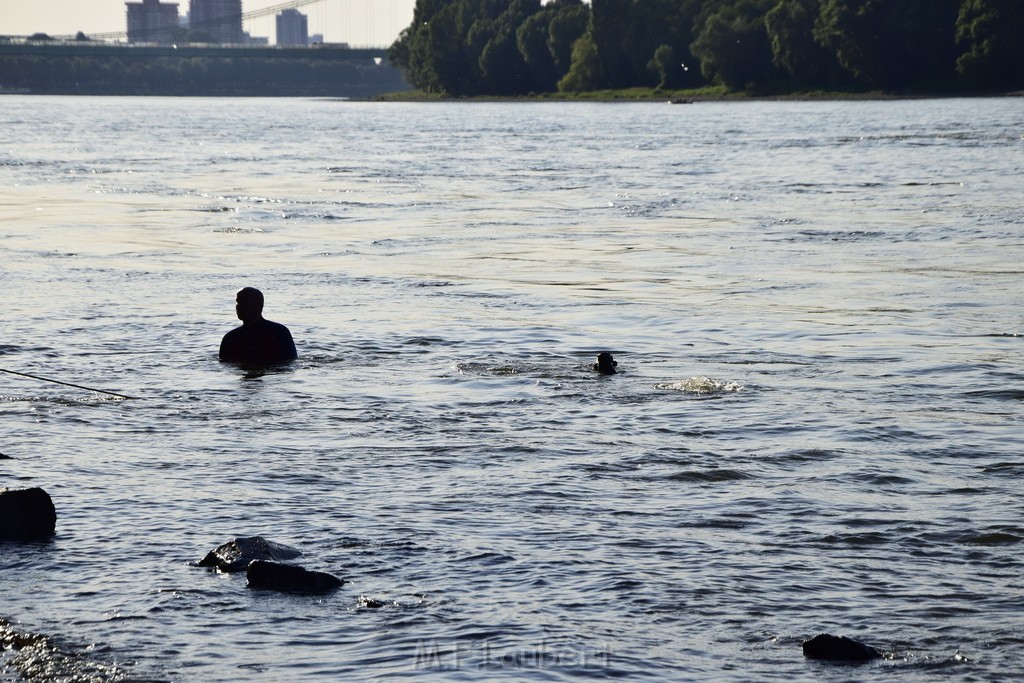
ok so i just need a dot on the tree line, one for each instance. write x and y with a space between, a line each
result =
518 47
210 76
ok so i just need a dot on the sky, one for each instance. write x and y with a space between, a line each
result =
357 22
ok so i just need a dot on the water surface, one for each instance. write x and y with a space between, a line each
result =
815 307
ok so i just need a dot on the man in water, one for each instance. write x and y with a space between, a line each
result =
258 341
605 363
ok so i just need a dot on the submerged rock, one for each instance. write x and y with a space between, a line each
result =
26 515
289 578
236 555
838 648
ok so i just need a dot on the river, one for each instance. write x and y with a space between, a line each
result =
816 310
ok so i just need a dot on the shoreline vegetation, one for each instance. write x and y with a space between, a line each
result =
700 50
687 96
601 50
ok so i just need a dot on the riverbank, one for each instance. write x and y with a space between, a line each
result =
708 94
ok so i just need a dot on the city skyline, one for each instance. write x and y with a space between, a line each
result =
359 22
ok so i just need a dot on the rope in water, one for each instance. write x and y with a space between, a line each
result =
67 384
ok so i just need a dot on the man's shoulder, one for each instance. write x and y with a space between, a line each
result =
236 332
276 327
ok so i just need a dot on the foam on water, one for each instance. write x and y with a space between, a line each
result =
701 385
33 657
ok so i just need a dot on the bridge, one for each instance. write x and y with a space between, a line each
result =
107 64
89 48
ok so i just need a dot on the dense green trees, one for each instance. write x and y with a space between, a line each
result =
545 40
500 47
891 44
992 33
629 34
585 71
512 47
804 61
733 45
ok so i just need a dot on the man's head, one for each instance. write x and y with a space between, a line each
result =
605 363
249 304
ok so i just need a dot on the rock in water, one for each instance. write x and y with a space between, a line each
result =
26 515
235 556
289 578
838 648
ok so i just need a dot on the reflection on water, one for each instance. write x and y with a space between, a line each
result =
813 427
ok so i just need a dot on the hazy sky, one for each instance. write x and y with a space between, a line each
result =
362 22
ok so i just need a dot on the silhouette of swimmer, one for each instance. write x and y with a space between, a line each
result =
605 364
258 341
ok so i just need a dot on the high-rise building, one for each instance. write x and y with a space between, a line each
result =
292 28
221 19
151 21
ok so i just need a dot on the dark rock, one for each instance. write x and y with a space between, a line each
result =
289 578
838 648
26 515
235 556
